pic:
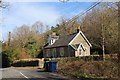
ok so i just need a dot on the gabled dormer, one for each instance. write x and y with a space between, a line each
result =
52 38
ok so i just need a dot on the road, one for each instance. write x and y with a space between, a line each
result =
29 74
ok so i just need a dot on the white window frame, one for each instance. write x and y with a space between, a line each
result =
48 52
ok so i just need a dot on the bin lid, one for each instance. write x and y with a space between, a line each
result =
53 61
47 61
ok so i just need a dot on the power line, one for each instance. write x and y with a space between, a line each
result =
111 5
79 6
69 7
84 12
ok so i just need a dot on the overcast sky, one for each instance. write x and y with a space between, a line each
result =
20 13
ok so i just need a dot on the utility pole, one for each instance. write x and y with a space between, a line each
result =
103 38
118 38
9 38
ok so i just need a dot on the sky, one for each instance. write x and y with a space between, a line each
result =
19 13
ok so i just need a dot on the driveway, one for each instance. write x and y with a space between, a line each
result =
29 74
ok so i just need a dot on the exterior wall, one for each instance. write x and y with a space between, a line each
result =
76 54
68 51
81 52
71 52
79 39
60 52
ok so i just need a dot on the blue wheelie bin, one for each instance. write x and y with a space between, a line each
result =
52 66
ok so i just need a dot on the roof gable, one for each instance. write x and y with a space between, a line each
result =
80 33
85 39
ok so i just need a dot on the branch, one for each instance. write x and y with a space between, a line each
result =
3 4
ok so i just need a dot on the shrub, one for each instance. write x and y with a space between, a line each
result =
8 56
78 68
26 63
5 60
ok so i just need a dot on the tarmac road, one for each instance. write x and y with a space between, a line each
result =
28 74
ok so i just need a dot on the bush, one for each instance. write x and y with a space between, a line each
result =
8 57
25 63
89 69
5 60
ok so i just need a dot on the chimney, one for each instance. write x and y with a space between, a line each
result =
9 38
78 29
53 34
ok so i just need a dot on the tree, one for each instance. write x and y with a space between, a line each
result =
8 56
4 4
21 35
28 40
92 27
91 24
67 27
38 27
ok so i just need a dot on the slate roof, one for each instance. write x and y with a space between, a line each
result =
65 40
62 41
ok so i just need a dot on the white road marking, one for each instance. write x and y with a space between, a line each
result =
16 71
4 69
23 75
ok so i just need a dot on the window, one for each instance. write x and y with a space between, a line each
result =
51 41
54 52
48 52
80 51
61 51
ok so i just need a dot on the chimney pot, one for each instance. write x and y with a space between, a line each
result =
78 30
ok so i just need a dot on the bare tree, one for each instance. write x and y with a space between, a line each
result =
92 27
38 27
21 35
4 4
